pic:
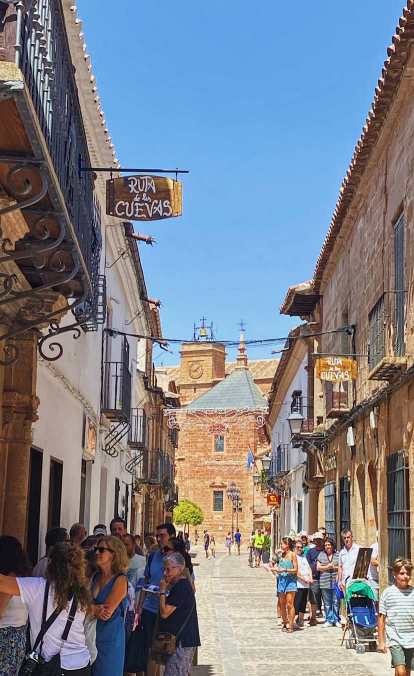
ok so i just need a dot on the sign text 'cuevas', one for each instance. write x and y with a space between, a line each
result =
143 198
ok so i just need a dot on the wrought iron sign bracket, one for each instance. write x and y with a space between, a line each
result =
128 170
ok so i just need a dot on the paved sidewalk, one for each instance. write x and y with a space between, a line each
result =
236 608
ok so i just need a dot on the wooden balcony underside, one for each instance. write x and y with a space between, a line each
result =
388 368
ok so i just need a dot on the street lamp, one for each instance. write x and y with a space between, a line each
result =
295 420
233 494
266 462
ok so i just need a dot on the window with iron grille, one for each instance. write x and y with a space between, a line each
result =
330 510
336 396
344 503
297 402
218 502
219 443
399 281
398 508
376 347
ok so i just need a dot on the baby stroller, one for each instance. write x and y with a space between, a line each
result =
361 614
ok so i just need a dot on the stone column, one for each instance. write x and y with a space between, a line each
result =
314 489
19 412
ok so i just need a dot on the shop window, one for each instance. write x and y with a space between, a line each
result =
299 516
218 502
330 510
219 443
55 493
33 504
344 504
398 508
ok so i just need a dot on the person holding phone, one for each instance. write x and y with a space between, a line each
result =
178 614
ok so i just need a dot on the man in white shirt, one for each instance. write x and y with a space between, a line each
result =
136 562
347 559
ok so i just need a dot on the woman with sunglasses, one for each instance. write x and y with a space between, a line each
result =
109 591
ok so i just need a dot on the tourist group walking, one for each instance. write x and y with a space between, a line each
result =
104 604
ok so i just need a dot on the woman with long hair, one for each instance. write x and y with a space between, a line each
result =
64 589
109 589
13 612
287 570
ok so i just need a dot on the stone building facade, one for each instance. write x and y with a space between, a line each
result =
360 302
82 431
218 425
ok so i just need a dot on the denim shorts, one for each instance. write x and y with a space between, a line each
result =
402 656
286 583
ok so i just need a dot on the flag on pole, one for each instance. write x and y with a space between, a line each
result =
250 459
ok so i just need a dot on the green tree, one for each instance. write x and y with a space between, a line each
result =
187 513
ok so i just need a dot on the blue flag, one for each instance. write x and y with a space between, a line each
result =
250 459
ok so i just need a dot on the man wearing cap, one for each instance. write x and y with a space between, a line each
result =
100 529
314 589
305 542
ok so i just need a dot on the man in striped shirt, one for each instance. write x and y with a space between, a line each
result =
396 619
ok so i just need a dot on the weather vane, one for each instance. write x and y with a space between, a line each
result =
203 332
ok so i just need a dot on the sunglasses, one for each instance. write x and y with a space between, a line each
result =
102 550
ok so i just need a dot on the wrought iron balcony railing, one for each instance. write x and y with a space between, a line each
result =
139 429
116 391
57 247
280 461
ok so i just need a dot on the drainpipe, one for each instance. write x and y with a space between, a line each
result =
19 21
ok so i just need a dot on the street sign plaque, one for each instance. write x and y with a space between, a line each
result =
336 369
144 198
273 500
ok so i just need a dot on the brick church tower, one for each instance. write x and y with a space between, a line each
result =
222 408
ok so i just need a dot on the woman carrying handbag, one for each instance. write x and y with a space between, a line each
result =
178 636
57 607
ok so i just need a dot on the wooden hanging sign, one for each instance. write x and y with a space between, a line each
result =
144 198
336 369
273 500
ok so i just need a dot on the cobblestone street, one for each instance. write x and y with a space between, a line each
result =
240 636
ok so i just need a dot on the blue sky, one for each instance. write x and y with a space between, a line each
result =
263 103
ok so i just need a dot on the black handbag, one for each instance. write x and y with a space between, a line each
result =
137 651
34 664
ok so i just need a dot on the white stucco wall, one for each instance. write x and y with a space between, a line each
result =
294 479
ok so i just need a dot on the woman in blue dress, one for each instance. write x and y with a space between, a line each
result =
109 591
287 570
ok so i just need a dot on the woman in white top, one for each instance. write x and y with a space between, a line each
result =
13 612
66 575
303 580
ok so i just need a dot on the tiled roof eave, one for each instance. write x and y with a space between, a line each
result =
398 54
255 409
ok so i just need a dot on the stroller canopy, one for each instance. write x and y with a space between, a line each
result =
359 588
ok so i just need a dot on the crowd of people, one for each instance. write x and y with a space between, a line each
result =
99 604
311 576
